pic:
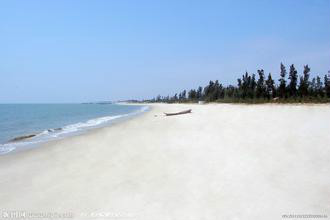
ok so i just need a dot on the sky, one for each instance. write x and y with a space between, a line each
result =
61 51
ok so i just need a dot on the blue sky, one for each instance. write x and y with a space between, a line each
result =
76 51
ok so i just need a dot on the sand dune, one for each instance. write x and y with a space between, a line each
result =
219 162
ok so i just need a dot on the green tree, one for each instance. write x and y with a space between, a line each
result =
270 87
180 96
229 92
239 93
304 82
261 88
213 91
319 87
293 76
216 91
327 85
208 91
199 93
252 86
312 88
175 97
192 94
184 95
282 87
245 85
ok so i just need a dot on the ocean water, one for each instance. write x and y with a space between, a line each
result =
53 121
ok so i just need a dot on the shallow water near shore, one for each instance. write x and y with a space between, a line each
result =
27 125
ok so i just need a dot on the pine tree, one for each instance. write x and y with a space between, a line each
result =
229 92
319 87
327 85
245 84
208 91
261 89
199 93
239 83
252 86
221 92
312 88
167 99
239 88
183 95
282 87
192 94
216 91
304 82
175 98
293 76
270 87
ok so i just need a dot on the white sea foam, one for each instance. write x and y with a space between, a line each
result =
53 134
6 149
9 147
83 125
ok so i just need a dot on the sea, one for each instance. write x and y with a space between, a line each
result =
24 126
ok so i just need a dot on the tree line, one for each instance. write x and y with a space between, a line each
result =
251 89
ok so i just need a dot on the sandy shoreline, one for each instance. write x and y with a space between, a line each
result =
220 162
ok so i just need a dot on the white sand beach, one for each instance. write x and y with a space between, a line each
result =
221 161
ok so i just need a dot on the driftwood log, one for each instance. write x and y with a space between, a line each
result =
178 113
